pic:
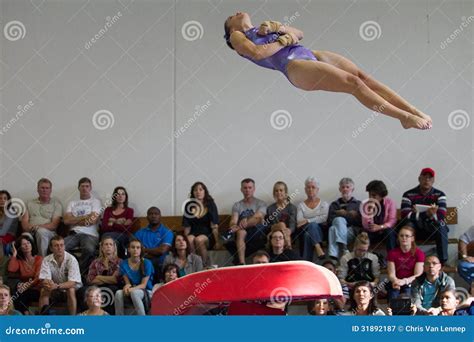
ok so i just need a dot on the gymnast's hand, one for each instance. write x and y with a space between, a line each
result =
269 26
288 39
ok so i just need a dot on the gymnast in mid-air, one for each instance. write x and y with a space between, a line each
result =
276 46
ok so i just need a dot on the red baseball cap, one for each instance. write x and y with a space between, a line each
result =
427 170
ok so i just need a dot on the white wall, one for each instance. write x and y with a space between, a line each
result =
153 80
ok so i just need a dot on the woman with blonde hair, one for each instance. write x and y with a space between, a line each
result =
104 271
93 299
360 264
279 246
282 213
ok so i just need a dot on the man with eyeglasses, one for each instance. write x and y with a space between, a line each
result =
424 208
427 288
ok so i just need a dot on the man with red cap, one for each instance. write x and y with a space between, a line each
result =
424 208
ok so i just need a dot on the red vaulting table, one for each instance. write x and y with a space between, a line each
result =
250 290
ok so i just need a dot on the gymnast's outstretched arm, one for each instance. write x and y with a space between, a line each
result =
247 48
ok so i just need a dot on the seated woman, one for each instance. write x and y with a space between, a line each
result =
363 300
181 255
93 298
6 306
8 221
320 307
360 264
312 213
279 247
282 211
276 46
379 215
404 263
137 274
104 271
202 223
25 261
170 273
118 219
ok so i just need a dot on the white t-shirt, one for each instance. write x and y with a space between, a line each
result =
85 207
319 214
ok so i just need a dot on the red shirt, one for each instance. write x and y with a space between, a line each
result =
405 262
120 228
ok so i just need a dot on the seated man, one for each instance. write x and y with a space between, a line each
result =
247 224
156 239
59 276
260 257
82 216
429 223
344 219
42 216
426 289
466 264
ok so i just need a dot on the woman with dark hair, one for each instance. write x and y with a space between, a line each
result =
363 300
25 261
279 246
93 300
137 274
181 255
404 263
104 271
170 273
320 307
201 221
276 46
118 219
379 215
282 213
8 221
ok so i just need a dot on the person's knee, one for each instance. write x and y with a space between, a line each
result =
241 234
338 222
353 82
200 240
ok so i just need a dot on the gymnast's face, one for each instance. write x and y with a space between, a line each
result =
238 20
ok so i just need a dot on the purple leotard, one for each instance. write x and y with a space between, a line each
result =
279 60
